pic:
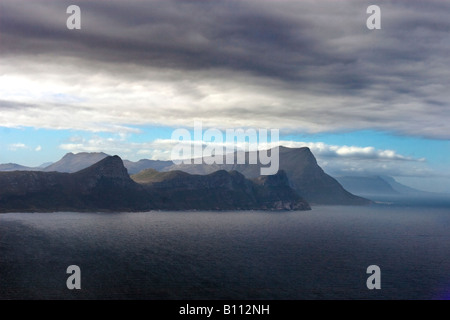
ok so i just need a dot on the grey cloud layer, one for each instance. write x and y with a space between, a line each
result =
305 65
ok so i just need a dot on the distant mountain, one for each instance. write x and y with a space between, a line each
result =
105 186
18 167
379 186
402 189
367 186
14 167
387 190
304 174
143 164
44 165
75 162
220 190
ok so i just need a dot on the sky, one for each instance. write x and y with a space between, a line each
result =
367 102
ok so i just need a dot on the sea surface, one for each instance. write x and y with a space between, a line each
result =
318 254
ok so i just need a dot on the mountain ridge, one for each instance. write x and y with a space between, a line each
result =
301 167
305 176
107 186
230 189
102 187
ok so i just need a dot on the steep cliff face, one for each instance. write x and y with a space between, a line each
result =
274 192
107 184
310 181
107 172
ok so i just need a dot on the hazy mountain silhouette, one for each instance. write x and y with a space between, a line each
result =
75 162
15 167
44 165
380 186
367 186
387 190
18 167
402 189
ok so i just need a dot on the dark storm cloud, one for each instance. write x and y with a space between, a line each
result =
239 35
353 78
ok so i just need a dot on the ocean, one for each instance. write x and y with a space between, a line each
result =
319 254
